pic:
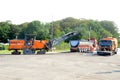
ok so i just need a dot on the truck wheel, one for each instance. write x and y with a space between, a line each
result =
16 53
19 53
41 52
71 50
28 51
78 50
116 51
112 53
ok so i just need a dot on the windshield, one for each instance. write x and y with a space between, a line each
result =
105 42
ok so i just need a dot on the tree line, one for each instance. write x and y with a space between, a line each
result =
55 29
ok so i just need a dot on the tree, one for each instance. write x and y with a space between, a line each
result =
97 29
111 27
23 30
4 31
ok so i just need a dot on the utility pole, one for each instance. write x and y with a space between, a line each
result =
52 29
89 31
89 36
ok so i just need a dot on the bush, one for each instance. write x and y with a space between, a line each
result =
2 47
6 47
63 46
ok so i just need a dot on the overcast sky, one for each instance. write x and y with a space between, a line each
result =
20 11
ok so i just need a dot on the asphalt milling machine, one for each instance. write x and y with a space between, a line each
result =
30 45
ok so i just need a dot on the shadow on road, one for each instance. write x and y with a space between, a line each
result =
108 72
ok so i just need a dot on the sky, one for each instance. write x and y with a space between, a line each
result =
20 11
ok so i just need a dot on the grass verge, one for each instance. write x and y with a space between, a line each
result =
5 52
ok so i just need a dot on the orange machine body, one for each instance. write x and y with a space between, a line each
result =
19 44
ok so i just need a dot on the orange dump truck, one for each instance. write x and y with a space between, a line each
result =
108 46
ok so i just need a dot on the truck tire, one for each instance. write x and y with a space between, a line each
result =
41 52
116 50
15 53
71 50
111 53
28 51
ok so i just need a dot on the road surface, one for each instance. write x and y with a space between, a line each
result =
60 66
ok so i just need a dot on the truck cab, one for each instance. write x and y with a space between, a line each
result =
108 46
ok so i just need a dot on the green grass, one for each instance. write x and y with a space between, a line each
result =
6 47
63 46
60 50
5 52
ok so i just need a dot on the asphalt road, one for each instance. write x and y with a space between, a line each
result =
60 66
